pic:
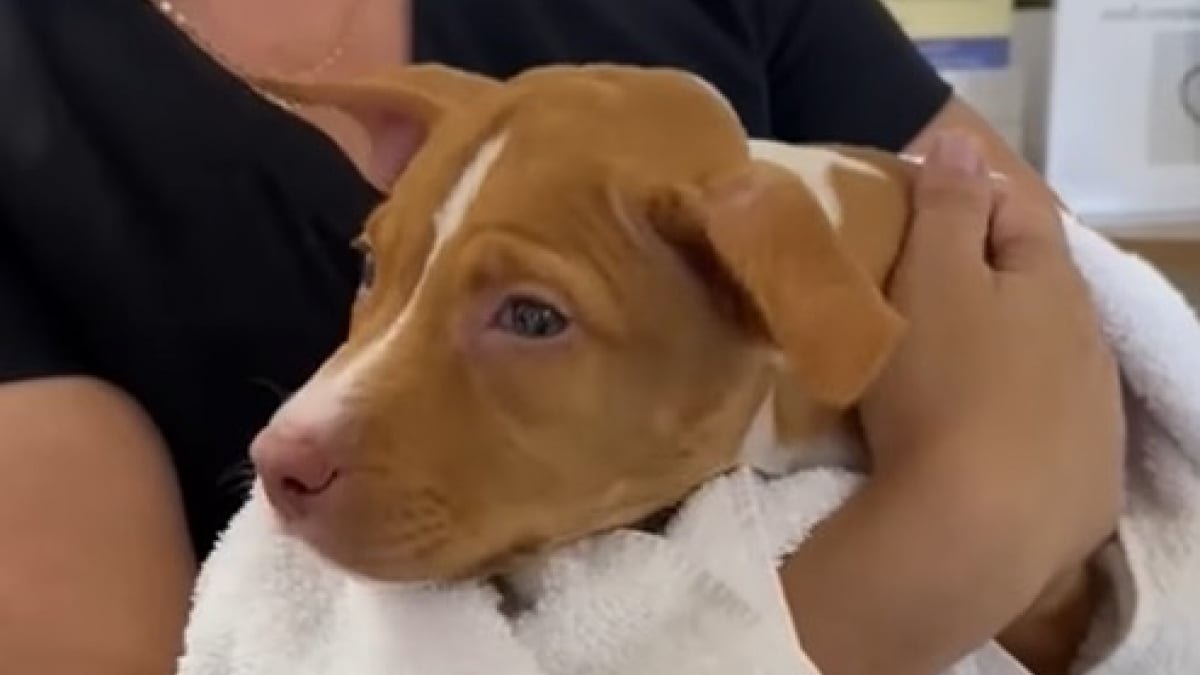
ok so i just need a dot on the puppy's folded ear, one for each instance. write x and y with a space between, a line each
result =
398 108
773 242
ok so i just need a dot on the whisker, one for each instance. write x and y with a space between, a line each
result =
238 478
280 392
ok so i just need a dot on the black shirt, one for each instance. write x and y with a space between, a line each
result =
165 229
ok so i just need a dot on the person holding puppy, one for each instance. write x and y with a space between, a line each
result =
175 246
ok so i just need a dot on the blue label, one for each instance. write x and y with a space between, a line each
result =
983 53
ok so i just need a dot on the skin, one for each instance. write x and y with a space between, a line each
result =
972 402
97 581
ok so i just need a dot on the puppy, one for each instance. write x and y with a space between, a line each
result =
584 289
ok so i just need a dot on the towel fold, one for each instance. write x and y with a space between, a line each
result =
703 596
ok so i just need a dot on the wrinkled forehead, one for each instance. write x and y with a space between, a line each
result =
545 152
662 122
516 190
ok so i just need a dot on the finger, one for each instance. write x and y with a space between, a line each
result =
1026 237
953 201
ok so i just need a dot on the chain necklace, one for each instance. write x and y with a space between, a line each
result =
184 24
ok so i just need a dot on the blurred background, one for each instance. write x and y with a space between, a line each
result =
1103 96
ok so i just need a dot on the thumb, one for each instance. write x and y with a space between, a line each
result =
1027 236
952 208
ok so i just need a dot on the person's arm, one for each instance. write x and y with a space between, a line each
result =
95 564
1046 636
907 578
969 521
842 71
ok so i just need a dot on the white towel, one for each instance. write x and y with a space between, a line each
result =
703 598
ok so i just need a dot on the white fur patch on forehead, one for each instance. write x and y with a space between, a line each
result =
323 399
450 217
447 222
814 166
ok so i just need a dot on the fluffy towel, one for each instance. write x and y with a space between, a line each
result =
703 598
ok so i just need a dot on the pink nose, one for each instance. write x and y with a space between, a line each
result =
296 466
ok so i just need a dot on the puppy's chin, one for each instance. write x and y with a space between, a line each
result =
446 560
496 542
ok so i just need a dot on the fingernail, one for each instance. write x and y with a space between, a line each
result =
958 152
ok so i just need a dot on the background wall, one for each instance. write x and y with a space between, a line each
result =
1177 258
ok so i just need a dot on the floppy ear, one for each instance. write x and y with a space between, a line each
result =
398 109
774 243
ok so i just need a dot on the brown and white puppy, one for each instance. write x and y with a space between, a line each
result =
584 285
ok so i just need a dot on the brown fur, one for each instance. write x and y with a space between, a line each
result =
627 197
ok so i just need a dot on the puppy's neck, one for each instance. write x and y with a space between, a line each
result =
864 195
789 432
762 438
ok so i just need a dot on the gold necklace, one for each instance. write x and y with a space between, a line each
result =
184 24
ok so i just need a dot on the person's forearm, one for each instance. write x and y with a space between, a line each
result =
1047 637
61 660
47 640
96 568
901 581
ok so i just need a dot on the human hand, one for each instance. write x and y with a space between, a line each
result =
1003 399
996 435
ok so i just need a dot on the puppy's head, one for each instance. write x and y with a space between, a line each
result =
573 298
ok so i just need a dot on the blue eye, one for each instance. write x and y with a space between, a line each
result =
531 318
368 270
366 263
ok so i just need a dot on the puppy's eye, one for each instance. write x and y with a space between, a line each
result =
368 270
366 263
531 318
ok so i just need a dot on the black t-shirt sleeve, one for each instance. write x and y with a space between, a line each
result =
844 71
30 346
31 342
